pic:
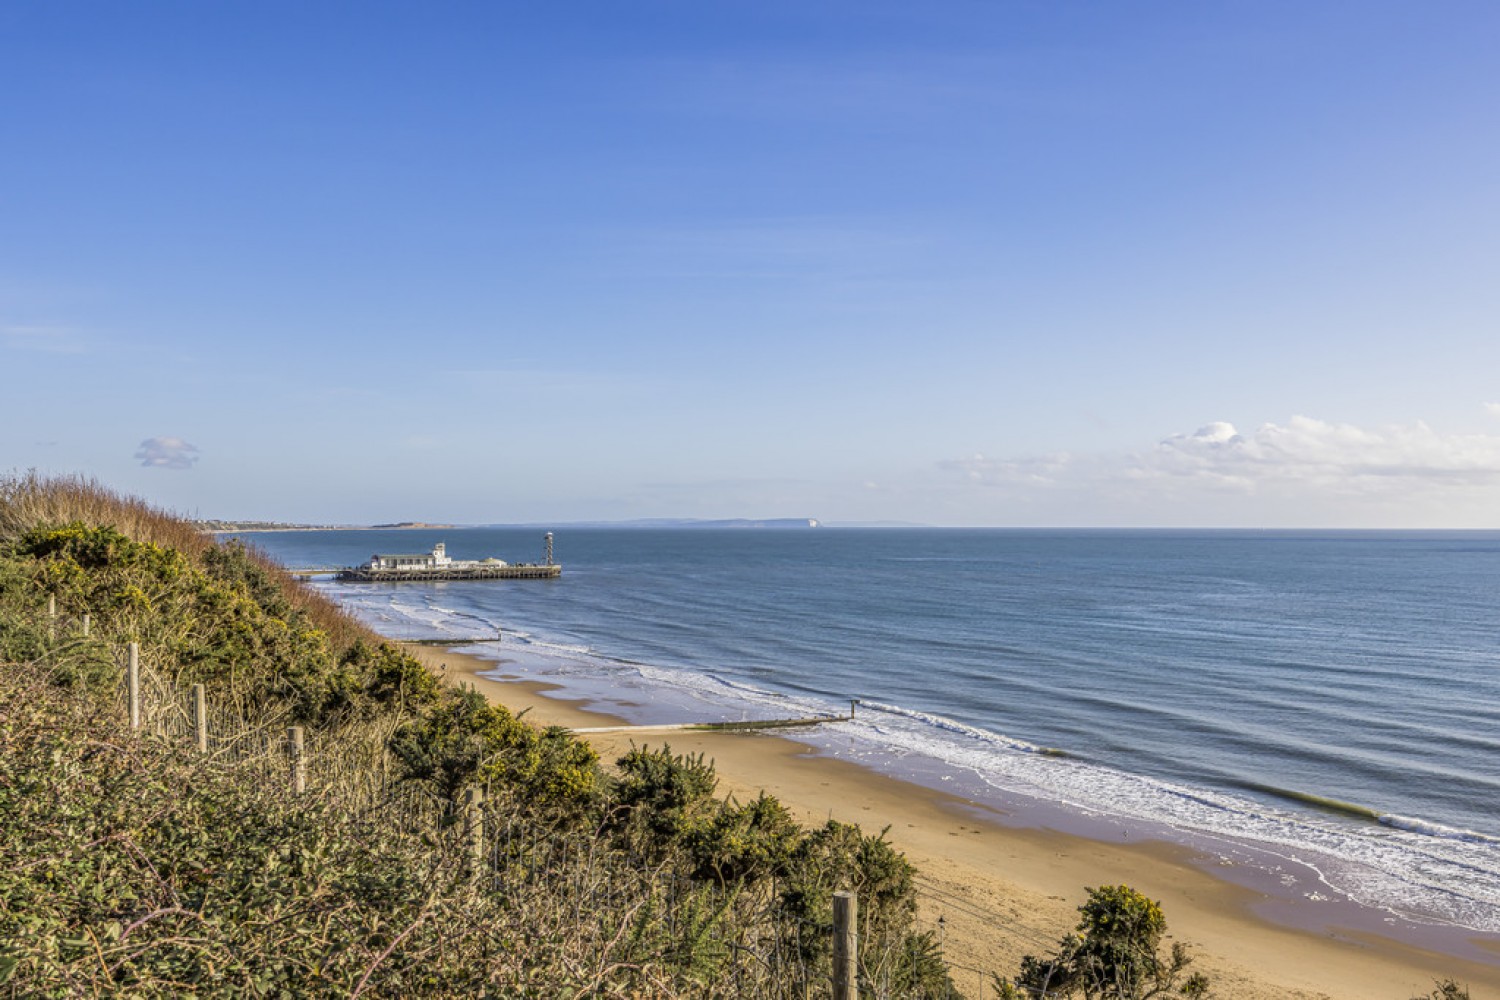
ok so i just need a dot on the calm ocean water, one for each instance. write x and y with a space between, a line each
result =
1332 698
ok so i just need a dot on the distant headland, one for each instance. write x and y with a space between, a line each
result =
220 527
690 522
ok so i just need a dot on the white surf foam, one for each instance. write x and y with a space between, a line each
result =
1403 864
1408 866
1431 829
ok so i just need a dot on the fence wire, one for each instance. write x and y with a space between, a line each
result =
516 852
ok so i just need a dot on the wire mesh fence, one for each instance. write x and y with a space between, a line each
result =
513 851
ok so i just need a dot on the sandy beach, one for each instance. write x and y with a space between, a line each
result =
1004 891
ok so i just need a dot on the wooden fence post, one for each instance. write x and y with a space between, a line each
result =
133 680
200 716
51 616
474 827
86 626
299 760
845 946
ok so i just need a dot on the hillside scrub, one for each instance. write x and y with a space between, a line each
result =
130 864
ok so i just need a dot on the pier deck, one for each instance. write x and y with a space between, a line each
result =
520 571
308 572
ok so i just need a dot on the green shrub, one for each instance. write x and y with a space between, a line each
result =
389 676
662 799
744 843
1114 954
840 856
462 740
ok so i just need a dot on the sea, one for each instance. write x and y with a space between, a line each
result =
1319 711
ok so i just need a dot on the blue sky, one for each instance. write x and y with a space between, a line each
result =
954 263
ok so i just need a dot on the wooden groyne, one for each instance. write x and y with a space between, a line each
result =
452 642
744 725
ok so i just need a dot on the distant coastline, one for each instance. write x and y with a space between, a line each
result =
774 523
232 527
222 527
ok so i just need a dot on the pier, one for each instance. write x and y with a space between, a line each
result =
437 565
522 571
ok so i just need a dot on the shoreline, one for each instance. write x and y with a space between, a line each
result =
1004 889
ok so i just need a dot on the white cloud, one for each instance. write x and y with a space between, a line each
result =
1493 409
1327 456
1411 472
167 453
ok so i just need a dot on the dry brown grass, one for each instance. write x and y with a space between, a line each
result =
31 500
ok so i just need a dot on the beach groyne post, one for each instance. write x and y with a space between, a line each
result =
845 946
133 682
474 827
200 717
295 749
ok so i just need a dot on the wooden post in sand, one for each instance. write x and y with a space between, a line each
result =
200 717
299 760
133 682
845 946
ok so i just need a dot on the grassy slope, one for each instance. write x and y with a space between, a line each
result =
130 864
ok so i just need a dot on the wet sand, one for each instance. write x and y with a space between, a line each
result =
1004 891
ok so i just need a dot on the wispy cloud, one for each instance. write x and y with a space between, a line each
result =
1036 470
167 453
47 339
1493 409
729 484
1303 455
1328 456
